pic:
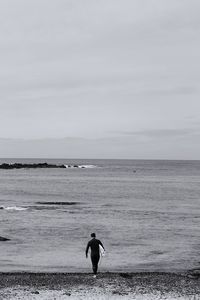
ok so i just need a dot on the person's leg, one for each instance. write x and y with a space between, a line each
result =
95 260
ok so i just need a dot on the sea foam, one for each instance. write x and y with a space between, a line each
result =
13 208
80 166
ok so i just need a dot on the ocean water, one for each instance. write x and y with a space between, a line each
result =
146 213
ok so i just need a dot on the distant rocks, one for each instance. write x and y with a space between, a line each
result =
11 166
29 166
3 239
6 166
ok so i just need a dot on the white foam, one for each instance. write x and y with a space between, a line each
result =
80 166
88 166
14 208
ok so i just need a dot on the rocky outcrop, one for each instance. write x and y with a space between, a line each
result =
3 239
29 166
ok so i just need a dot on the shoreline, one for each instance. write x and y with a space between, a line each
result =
143 285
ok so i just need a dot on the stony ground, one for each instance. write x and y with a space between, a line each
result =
105 286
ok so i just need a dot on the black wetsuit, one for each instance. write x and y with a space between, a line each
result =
93 244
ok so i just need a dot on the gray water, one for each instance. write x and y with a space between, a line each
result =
146 213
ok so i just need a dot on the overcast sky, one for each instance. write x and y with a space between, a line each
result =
100 79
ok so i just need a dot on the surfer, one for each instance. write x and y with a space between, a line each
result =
94 245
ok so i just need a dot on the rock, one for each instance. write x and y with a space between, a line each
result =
35 292
120 293
3 239
29 166
117 293
194 273
126 275
67 294
192 276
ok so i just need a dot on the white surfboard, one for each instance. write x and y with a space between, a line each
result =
102 251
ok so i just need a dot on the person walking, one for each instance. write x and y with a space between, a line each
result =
94 244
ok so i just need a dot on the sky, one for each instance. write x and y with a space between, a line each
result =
100 79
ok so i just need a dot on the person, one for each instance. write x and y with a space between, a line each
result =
94 244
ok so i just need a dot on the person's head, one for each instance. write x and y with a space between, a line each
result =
93 235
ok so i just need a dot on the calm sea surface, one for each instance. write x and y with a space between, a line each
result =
146 213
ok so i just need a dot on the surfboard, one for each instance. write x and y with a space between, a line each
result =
102 251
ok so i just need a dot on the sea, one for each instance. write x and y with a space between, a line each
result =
145 212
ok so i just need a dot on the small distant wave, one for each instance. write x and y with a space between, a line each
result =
80 166
40 206
56 203
88 166
19 208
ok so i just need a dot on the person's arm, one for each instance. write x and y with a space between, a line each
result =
87 248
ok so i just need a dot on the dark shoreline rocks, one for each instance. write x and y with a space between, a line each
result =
6 166
3 239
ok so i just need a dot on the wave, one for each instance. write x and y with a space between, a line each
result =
88 166
39 206
56 203
80 166
19 208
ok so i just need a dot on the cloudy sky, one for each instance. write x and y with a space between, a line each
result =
100 79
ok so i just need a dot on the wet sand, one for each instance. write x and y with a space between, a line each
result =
106 286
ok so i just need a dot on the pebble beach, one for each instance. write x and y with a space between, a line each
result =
105 286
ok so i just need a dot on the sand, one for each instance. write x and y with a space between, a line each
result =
105 286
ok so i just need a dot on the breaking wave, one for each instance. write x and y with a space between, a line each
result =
19 208
56 203
41 205
88 166
80 166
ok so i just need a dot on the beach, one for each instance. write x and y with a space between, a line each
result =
150 285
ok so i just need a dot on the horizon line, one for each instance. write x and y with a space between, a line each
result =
76 158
